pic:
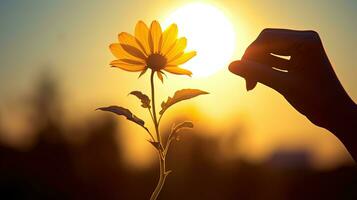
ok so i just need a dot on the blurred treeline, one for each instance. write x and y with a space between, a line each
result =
91 167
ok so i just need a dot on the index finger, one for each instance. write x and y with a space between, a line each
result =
280 41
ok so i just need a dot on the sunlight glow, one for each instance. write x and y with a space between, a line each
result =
209 32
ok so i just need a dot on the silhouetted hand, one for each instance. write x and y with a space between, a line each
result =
306 80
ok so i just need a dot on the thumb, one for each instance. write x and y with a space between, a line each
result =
264 74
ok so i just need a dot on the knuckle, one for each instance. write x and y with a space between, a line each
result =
252 50
312 40
313 36
265 32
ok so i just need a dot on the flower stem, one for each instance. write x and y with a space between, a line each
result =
163 173
162 179
153 106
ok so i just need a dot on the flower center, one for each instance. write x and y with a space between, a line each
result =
156 61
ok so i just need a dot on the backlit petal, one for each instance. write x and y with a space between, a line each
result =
126 66
127 39
133 51
177 49
142 35
120 53
133 62
177 70
183 58
169 37
155 36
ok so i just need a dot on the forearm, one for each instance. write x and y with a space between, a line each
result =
344 126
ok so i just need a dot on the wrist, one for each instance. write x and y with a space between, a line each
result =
344 127
346 130
343 120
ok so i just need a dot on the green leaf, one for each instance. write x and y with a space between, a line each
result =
124 112
180 95
145 101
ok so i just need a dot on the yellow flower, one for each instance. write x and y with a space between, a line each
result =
151 48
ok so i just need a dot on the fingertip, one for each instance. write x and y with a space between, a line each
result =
250 84
234 66
239 68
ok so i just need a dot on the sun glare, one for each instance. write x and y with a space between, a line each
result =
209 32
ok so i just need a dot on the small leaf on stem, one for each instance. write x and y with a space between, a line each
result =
168 172
180 95
156 145
177 128
145 101
182 125
124 112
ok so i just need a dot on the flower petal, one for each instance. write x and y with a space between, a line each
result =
133 62
131 45
128 39
177 70
118 51
183 58
177 49
133 51
169 36
155 36
127 67
142 35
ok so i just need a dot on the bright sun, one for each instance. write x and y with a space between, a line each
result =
208 32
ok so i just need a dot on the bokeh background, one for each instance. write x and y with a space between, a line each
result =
54 72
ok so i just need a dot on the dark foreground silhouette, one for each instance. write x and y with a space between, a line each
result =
93 169
306 80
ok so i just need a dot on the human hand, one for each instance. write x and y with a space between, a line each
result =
306 80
